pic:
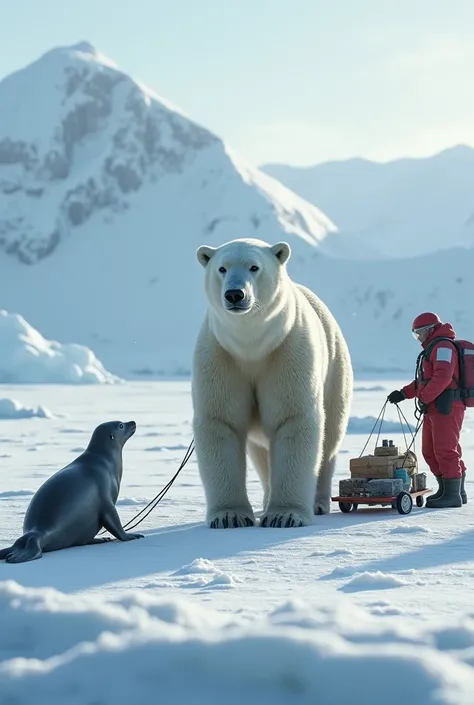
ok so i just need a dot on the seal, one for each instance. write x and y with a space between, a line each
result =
77 501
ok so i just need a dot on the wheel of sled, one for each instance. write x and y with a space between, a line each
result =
345 507
420 501
404 503
355 506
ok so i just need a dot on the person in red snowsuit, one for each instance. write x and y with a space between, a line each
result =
441 432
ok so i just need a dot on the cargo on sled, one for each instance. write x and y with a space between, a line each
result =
387 477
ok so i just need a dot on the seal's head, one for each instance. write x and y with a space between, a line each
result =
113 434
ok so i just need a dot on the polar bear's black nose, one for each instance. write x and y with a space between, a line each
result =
234 296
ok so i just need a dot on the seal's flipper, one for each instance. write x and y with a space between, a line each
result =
26 548
111 521
19 544
5 551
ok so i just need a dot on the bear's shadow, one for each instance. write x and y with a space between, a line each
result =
168 549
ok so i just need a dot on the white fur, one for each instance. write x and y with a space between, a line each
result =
273 379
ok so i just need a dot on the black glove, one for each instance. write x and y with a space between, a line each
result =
396 397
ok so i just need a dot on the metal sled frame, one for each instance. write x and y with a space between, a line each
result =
403 502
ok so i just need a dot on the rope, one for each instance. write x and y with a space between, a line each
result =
379 418
157 499
401 416
133 523
418 426
401 424
419 418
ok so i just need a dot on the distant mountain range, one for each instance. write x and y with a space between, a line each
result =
107 190
401 208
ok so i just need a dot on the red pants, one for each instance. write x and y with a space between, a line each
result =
440 443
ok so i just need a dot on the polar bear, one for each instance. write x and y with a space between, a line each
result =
272 377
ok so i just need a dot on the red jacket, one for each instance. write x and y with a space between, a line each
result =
438 370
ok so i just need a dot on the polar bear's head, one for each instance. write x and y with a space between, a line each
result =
243 276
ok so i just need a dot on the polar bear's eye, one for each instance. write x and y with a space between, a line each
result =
254 268
222 270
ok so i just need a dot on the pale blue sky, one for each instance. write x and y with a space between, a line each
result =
301 81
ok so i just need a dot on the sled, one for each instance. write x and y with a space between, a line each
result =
386 477
403 502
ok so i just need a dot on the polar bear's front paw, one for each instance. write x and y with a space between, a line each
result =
230 519
322 505
284 518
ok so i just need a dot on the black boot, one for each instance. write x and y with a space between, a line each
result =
463 491
438 492
451 496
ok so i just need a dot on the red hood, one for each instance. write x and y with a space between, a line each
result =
445 330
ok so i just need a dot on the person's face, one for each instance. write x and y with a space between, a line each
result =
421 334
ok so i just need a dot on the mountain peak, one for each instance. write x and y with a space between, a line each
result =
82 141
107 190
457 151
97 136
84 47
81 51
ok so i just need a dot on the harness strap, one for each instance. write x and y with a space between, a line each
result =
426 353
461 392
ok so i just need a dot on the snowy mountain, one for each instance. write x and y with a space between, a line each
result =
107 191
81 142
404 207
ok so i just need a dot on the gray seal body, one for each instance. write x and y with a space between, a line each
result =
77 501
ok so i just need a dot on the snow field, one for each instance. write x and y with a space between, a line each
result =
58 648
287 615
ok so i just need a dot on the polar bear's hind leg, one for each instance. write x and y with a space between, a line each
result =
260 458
337 409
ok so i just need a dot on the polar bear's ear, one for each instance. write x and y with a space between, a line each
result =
204 254
282 252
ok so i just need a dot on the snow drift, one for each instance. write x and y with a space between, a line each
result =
27 358
11 409
136 646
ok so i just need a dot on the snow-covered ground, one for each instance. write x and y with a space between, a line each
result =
358 609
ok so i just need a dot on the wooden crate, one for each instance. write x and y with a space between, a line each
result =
382 466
